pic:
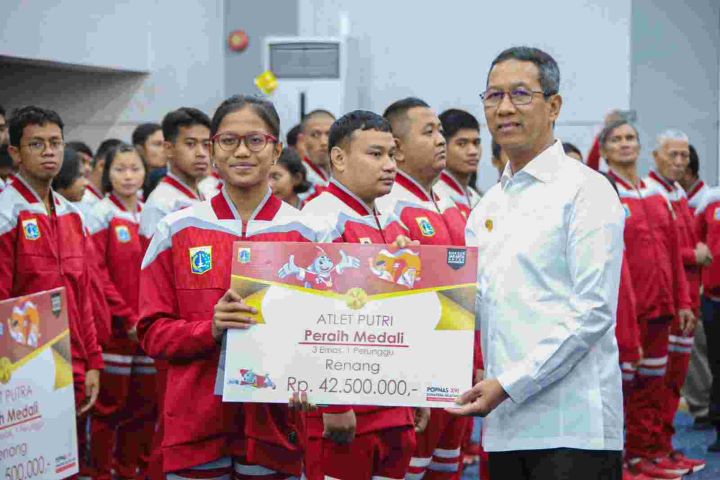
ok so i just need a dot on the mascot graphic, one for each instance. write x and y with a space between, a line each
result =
319 275
402 267
248 377
24 324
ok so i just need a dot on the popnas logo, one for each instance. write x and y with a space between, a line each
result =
456 258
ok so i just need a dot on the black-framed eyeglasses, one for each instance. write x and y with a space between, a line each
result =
254 141
38 145
518 96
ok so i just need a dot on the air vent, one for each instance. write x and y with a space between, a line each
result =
305 60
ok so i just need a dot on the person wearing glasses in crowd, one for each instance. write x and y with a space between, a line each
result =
186 306
43 243
313 139
548 275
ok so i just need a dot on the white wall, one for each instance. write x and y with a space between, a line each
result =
178 45
441 52
675 52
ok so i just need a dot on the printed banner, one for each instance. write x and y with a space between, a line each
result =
37 404
352 324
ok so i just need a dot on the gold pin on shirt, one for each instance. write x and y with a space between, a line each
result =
489 225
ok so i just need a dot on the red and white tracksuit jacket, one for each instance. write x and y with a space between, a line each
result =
92 195
43 250
707 218
126 406
318 178
185 272
431 221
695 194
210 185
349 220
687 232
448 187
653 254
169 196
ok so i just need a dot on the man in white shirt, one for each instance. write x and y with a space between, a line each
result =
549 238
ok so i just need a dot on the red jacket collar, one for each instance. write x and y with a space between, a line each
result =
624 183
404 180
116 201
175 182
695 189
448 179
27 192
91 188
348 198
309 164
662 181
225 209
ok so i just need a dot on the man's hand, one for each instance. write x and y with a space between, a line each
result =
687 321
132 335
231 312
403 242
339 427
421 417
92 389
480 400
299 401
702 254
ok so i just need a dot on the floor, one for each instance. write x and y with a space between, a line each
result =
693 442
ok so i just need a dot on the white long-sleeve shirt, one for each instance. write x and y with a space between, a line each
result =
550 240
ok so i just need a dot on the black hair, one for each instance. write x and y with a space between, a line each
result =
570 148
182 117
396 113
290 161
292 136
454 120
318 112
80 147
31 115
6 160
2 110
70 170
262 108
342 129
496 149
152 180
122 147
142 132
549 72
102 151
694 164
608 129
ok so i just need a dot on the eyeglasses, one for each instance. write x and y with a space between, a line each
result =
518 96
38 146
254 141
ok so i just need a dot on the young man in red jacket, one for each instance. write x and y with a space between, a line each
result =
366 441
43 242
420 155
186 306
313 136
708 226
672 155
654 259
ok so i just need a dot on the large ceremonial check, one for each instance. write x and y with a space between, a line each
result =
37 406
353 324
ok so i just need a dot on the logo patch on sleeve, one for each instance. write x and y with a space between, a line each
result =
200 259
122 233
31 229
426 227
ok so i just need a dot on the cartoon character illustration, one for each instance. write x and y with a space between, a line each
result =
24 324
402 267
248 377
319 275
